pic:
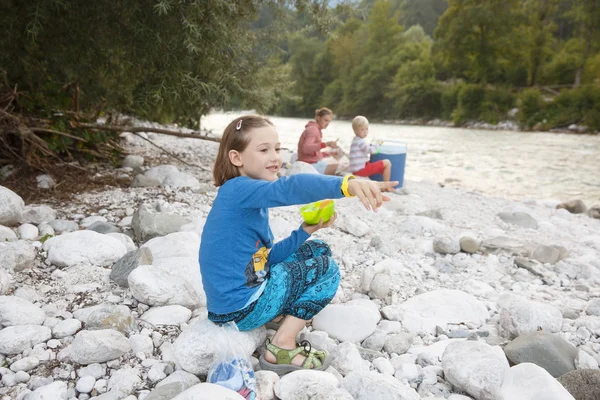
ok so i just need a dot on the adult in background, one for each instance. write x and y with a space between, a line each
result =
311 145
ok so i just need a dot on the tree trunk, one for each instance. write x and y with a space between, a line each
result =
588 43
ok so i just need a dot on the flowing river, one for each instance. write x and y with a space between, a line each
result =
515 165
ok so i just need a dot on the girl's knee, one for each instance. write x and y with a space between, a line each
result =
319 247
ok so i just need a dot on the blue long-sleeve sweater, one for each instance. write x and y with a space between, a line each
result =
237 243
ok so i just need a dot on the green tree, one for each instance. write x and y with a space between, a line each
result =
374 46
538 35
586 16
156 58
473 36
422 12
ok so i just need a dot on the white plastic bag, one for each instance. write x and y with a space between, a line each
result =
231 368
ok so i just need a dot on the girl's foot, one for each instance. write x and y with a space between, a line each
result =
297 360
282 361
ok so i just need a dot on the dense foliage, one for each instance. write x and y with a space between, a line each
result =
460 60
172 60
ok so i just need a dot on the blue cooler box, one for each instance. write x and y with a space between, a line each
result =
396 153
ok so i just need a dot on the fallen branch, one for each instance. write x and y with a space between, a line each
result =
44 130
171 154
136 129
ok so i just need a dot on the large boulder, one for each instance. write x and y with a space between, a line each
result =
583 384
11 207
551 352
84 248
426 311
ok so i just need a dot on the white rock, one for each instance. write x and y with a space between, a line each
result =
178 244
25 364
353 226
383 365
369 385
28 232
46 230
141 344
124 381
54 391
585 361
95 370
180 376
346 358
87 221
7 234
475 367
84 247
5 281
27 293
11 207
157 372
347 323
265 384
527 381
167 315
298 384
85 384
437 308
17 255
98 346
62 225
18 311
208 391
22 377
519 315
409 374
169 281
123 238
133 161
45 181
37 215
432 354
68 327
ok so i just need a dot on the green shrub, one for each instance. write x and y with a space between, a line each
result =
470 101
497 103
531 106
420 100
449 99
576 106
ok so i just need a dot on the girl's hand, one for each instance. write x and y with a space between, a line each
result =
369 192
310 229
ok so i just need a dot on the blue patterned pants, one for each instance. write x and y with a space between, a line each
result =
301 285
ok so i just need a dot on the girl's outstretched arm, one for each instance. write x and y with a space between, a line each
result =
246 192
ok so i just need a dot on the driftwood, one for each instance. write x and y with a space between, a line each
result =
134 129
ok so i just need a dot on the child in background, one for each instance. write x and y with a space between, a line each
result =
249 279
360 153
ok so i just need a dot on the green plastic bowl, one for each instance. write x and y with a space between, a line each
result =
314 212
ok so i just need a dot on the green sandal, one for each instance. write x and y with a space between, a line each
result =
316 360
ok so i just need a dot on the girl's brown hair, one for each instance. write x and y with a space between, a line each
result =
235 137
321 112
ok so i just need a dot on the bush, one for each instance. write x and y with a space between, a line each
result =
531 105
420 100
580 105
497 103
449 99
470 101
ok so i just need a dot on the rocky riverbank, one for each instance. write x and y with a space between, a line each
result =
445 293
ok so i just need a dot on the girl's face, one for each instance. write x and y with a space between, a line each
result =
324 121
260 159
